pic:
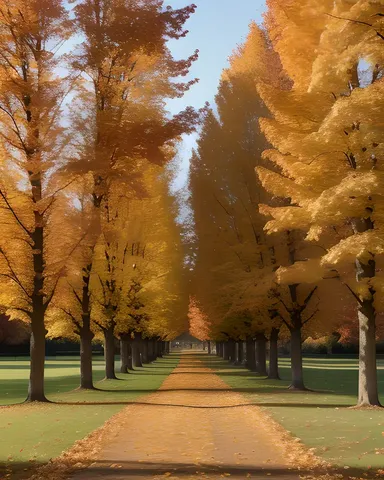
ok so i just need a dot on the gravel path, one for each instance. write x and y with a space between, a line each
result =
194 427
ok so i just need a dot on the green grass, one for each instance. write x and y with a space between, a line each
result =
36 433
343 436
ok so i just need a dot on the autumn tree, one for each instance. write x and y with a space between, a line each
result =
198 323
31 96
328 123
70 312
119 119
225 193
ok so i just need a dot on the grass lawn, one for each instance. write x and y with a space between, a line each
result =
345 437
35 433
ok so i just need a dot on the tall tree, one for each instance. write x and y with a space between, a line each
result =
31 95
120 120
328 123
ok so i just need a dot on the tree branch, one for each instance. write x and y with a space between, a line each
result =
359 22
14 214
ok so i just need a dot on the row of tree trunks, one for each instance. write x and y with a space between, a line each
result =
255 357
136 352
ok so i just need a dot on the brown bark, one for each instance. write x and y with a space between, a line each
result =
240 353
124 346
225 351
37 352
86 374
144 351
273 371
209 347
251 355
261 355
37 345
296 360
368 391
86 335
109 353
136 355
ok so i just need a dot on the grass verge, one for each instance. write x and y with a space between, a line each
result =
32 434
320 418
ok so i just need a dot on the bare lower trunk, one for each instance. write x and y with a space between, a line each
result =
37 352
159 349
109 353
86 336
151 350
240 353
368 392
261 355
273 371
209 347
219 349
232 351
144 351
135 345
167 347
124 355
130 355
226 353
236 349
296 360
37 347
251 355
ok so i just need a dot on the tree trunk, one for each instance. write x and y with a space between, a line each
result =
273 371
109 353
86 336
37 352
144 351
151 350
129 355
296 360
167 347
159 349
124 354
368 393
226 351
251 355
236 353
240 353
209 347
219 352
135 346
232 351
261 355
37 346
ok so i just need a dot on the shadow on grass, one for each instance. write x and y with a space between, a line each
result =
147 469
222 407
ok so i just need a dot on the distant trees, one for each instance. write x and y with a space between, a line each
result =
299 103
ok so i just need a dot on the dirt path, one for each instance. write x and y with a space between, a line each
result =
194 427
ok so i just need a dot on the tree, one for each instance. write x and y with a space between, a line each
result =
327 123
70 315
198 323
30 108
118 118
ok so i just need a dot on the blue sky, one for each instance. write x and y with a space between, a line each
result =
216 28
